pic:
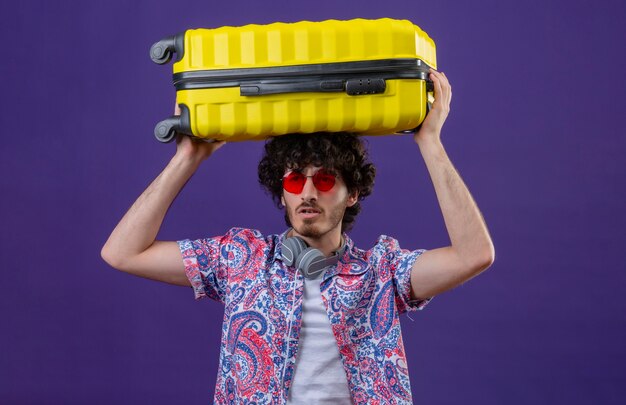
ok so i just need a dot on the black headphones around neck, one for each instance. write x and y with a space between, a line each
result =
310 261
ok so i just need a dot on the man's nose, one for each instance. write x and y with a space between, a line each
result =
309 192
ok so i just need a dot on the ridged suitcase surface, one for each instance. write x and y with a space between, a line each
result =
240 83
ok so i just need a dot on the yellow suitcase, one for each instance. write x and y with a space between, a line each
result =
368 77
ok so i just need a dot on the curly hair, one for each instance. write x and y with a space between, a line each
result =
341 152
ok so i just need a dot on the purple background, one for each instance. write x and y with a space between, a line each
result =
534 131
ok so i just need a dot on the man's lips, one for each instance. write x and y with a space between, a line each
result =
308 212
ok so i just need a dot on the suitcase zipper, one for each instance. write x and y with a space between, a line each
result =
354 78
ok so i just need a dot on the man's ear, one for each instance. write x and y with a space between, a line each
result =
353 198
282 200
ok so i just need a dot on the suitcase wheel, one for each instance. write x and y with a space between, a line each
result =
165 131
161 52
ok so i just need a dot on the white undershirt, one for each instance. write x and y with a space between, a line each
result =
319 377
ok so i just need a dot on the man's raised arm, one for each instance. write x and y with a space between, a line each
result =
471 249
132 247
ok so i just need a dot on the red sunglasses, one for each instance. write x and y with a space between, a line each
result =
293 182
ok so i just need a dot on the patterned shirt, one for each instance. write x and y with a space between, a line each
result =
363 294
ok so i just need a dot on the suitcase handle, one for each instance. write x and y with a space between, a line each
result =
352 87
263 88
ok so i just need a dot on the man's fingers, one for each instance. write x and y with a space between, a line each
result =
446 85
447 88
443 90
438 90
441 76
176 109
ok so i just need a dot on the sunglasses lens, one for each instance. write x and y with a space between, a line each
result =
323 181
294 182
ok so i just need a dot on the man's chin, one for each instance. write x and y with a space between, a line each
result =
309 230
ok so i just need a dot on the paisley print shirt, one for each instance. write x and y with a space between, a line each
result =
363 294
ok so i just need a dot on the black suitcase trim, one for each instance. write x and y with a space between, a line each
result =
354 78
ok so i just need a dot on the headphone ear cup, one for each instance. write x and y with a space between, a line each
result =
301 244
311 261
291 249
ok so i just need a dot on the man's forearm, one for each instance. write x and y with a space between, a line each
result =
138 228
466 227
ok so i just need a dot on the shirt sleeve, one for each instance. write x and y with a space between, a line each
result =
400 262
205 267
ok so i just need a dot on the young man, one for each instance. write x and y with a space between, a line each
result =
310 318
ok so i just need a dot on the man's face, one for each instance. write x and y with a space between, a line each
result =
314 213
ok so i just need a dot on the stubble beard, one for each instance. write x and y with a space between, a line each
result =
310 228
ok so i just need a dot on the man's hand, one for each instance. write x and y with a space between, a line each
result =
431 127
194 149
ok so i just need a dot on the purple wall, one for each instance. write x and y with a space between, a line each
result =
534 131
